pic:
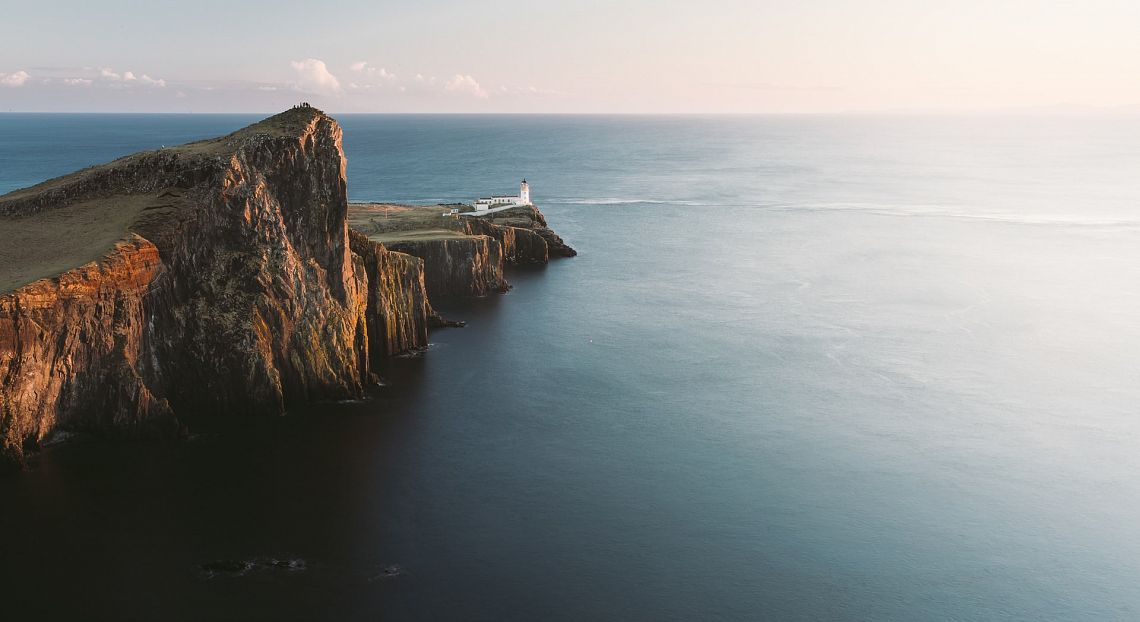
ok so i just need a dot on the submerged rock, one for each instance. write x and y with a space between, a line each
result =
237 568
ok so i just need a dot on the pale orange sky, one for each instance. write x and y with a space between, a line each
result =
579 56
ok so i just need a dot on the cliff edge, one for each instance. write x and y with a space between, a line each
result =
214 277
464 254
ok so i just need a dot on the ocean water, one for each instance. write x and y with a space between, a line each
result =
804 368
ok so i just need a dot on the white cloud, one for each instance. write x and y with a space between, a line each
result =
528 90
313 76
129 76
14 79
77 81
466 84
365 68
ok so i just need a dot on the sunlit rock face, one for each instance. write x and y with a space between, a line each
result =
235 287
236 293
398 313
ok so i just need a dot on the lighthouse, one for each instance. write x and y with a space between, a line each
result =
500 202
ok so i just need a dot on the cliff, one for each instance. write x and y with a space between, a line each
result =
520 246
397 311
529 218
458 266
463 256
232 287
219 278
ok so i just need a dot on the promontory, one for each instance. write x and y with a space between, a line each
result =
222 279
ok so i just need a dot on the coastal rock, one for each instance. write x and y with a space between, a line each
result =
519 246
77 350
226 282
397 310
529 217
233 291
458 266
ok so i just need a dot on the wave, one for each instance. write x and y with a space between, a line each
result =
898 211
616 201
912 211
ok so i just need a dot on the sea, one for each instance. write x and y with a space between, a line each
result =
850 367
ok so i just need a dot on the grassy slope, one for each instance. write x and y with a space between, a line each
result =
383 222
58 239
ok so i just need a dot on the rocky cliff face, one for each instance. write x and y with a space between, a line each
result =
458 266
397 312
519 246
531 219
235 288
78 350
235 291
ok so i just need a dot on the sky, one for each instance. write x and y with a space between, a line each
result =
572 56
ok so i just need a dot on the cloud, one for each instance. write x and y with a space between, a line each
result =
77 81
527 90
313 76
129 76
362 67
14 79
466 84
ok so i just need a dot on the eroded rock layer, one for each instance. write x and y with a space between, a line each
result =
398 313
519 246
223 281
234 291
458 266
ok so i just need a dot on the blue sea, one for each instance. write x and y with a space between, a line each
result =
804 368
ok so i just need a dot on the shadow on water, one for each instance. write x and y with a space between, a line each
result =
301 515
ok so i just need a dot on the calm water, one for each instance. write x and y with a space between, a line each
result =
817 368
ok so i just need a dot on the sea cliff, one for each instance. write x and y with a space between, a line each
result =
463 254
234 287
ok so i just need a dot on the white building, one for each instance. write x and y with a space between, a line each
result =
492 202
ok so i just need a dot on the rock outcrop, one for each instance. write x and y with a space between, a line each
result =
529 217
234 291
458 266
519 246
78 350
226 282
397 312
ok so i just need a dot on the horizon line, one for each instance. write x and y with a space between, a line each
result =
1047 110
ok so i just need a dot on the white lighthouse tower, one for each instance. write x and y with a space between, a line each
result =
501 203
